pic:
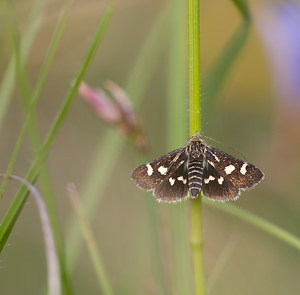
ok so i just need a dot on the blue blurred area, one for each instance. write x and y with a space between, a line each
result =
279 27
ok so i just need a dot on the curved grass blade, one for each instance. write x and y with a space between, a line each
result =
50 249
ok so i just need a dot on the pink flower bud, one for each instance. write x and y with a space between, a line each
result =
119 113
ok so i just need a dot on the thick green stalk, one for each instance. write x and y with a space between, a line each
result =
196 238
194 66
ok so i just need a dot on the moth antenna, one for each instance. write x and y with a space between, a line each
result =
225 145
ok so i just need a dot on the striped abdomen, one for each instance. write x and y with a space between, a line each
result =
195 176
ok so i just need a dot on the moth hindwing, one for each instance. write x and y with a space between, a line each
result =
196 167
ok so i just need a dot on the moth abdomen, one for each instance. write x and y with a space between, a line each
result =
195 176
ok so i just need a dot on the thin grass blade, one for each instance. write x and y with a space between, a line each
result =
8 80
219 71
111 145
258 222
17 205
89 240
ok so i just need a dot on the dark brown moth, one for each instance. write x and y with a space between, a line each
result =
196 167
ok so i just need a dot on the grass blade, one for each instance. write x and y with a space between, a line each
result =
111 145
17 205
258 222
8 80
29 103
221 262
219 71
90 240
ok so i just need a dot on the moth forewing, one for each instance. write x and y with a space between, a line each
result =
174 187
150 175
218 187
242 174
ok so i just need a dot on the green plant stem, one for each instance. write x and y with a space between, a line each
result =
196 242
196 238
194 66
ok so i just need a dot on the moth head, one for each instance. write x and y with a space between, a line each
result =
196 146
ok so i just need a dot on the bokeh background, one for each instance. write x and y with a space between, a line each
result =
257 111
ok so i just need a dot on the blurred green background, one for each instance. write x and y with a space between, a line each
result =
250 114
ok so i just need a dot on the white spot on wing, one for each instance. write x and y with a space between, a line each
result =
220 180
172 181
180 178
210 178
243 168
150 169
162 170
229 169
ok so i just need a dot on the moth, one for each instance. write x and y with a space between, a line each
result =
196 167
